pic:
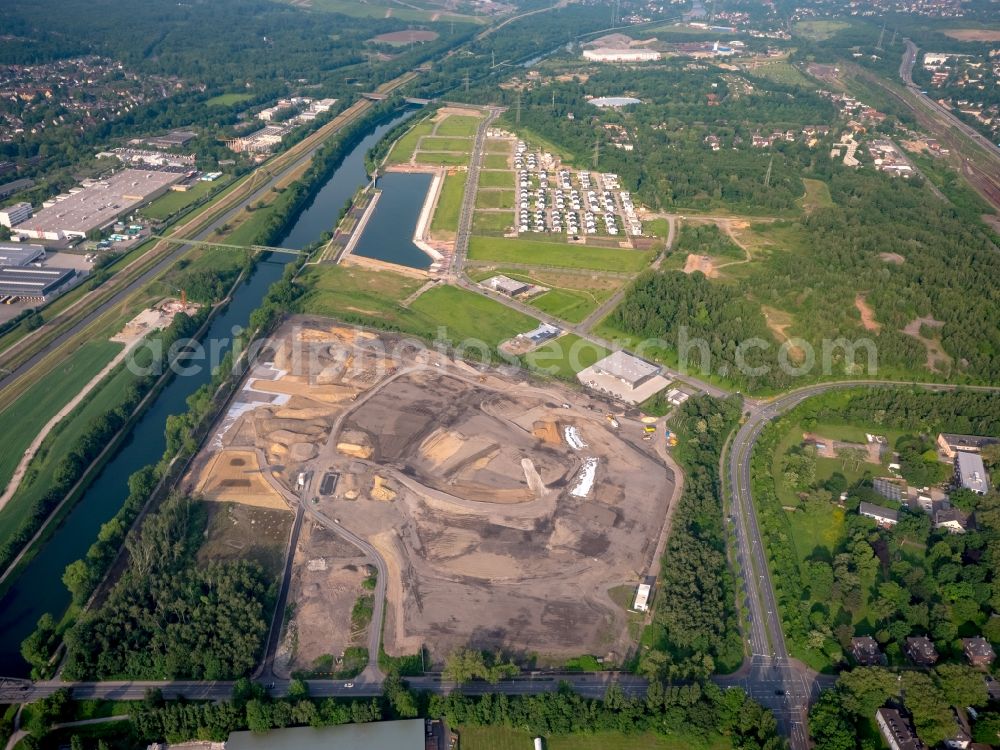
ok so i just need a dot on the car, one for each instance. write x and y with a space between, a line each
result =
779 692
348 684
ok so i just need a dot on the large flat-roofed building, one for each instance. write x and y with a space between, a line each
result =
970 472
408 734
34 283
624 376
14 215
17 254
97 204
612 54
172 139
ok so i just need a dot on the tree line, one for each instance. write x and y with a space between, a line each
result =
695 631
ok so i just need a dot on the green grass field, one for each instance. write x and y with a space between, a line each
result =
569 305
492 222
495 199
496 161
403 150
437 143
565 356
228 100
23 420
467 315
557 254
173 201
817 195
819 29
449 204
462 126
372 298
502 738
780 71
441 158
492 179
496 146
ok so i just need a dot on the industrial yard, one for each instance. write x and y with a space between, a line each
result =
504 511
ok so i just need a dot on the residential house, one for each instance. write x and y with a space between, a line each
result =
920 650
978 651
885 517
952 519
866 652
897 730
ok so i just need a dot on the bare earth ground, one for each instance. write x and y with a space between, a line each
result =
936 356
495 530
701 263
892 258
867 314
778 321
245 532
326 583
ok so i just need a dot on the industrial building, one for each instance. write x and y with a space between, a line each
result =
612 54
625 377
173 139
17 254
506 285
13 215
949 444
970 472
405 734
97 204
33 283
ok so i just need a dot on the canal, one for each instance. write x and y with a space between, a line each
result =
388 236
39 588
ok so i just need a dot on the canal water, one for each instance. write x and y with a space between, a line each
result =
388 235
39 588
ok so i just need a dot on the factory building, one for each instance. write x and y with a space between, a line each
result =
614 54
16 254
33 283
13 215
625 377
97 204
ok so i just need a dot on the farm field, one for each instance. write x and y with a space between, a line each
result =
504 738
782 72
22 420
556 254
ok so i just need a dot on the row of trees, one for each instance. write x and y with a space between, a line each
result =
695 626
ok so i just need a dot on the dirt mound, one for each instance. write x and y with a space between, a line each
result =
235 476
867 314
353 449
547 432
700 263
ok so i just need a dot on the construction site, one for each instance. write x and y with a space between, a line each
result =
504 509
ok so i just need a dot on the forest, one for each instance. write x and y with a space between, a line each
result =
169 617
695 631
866 580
